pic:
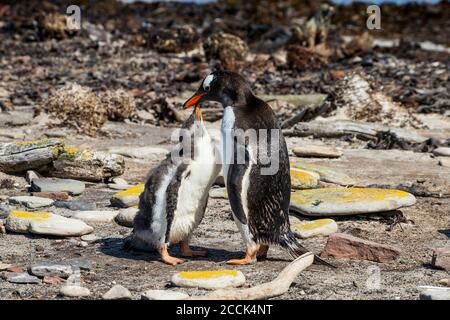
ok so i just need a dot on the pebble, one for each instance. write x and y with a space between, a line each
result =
76 205
52 195
4 210
348 201
441 258
434 293
117 292
118 184
126 216
22 278
90 238
218 193
442 151
46 223
326 174
140 152
127 198
95 216
74 291
303 179
52 280
73 187
317 152
444 282
163 295
31 202
346 246
213 279
51 270
320 227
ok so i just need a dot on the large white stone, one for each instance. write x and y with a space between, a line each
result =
211 279
31 202
95 216
320 227
140 152
126 216
117 292
127 198
163 295
51 269
46 223
442 151
74 291
347 201
218 193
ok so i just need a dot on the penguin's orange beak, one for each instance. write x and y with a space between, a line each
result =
193 100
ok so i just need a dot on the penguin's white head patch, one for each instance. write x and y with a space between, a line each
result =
207 82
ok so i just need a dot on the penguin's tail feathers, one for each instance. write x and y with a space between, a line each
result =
289 242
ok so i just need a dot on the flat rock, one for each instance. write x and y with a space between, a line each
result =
95 216
441 258
74 291
442 151
444 162
320 227
76 205
52 195
348 201
21 278
73 187
117 292
434 293
345 246
317 152
211 279
127 198
126 216
118 184
31 202
89 238
326 174
140 152
303 179
51 270
46 223
218 193
163 295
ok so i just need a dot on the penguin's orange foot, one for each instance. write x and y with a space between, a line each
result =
171 260
250 258
186 251
262 251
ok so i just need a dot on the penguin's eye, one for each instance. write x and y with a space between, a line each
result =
207 87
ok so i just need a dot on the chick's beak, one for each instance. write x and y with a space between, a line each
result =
193 100
198 112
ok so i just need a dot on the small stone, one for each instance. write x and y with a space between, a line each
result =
326 174
46 223
126 216
95 216
320 227
52 195
345 246
15 269
218 193
74 291
73 187
5 266
317 152
444 282
151 153
118 184
117 292
52 280
51 269
441 258
434 293
348 201
163 295
303 179
4 210
31 202
127 198
31 175
21 278
214 279
90 238
76 205
444 162
442 151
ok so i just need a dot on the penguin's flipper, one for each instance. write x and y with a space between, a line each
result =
236 174
172 195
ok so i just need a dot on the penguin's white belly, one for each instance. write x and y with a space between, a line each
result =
193 192
227 130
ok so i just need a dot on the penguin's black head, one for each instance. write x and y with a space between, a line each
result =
226 87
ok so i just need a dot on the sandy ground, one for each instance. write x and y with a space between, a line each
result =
426 227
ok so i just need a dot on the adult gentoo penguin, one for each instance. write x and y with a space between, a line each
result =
176 193
259 201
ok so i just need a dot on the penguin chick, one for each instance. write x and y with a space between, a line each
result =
259 198
176 193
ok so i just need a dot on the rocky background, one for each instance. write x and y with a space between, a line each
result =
84 114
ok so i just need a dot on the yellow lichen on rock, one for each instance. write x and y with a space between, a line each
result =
303 179
210 274
32 216
133 191
32 142
310 225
